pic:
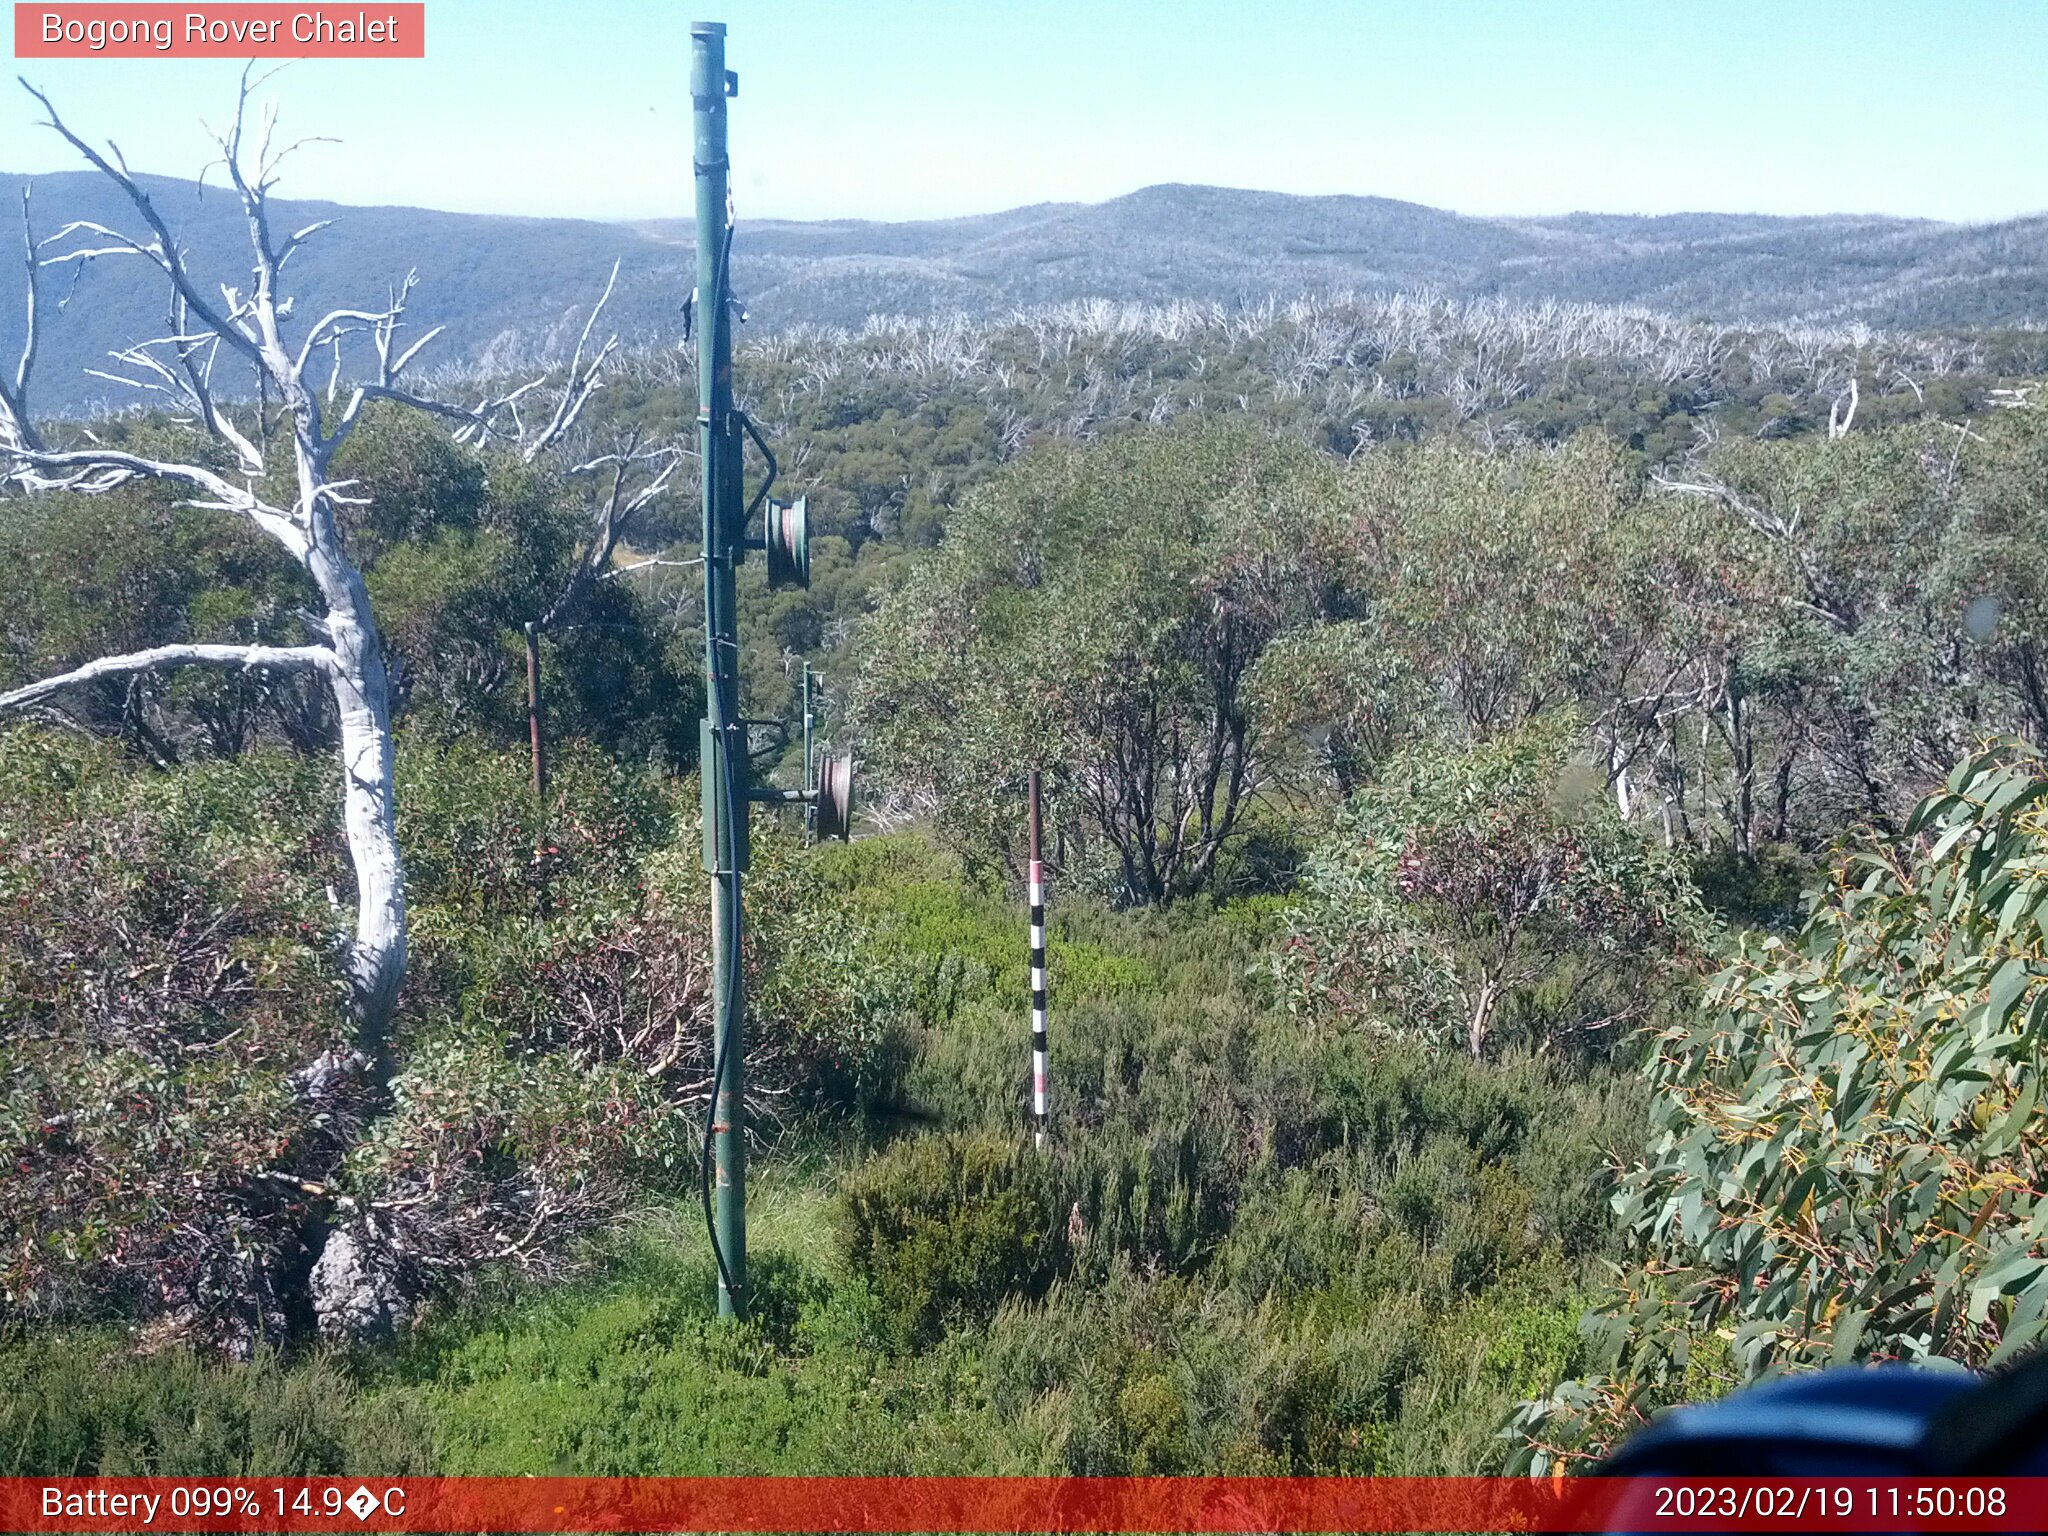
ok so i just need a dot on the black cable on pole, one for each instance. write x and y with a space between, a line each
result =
721 1044
722 1041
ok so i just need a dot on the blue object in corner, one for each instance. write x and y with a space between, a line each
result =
1852 1421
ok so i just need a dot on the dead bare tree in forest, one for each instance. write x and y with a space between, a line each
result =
345 649
179 367
211 326
1842 413
231 471
630 477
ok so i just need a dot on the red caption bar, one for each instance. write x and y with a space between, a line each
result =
377 31
1020 1504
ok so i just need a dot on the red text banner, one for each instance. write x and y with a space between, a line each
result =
995 1504
235 31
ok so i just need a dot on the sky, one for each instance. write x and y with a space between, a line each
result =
899 109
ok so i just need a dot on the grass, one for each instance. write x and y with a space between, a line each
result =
1279 1251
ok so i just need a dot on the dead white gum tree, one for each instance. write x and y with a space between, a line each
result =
207 329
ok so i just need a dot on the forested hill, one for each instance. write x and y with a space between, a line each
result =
1221 244
505 288
508 287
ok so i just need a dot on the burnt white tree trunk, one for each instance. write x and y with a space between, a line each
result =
178 367
355 1282
361 685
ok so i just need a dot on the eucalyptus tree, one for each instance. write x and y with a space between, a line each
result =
1098 612
1499 575
1468 891
1889 618
1845 1153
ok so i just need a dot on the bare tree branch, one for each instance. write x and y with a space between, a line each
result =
582 381
614 515
166 253
15 425
1824 600
166 658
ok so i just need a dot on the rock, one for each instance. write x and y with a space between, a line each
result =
357 1294
327 1074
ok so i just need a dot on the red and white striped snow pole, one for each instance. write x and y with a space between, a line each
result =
1038 1040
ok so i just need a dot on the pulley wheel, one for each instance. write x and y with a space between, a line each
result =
835 797
787 535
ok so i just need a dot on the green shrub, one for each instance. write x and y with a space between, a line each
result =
1156 1375
1536 1347
627 1371
1764 890
1263 860
945 1227
479 847
1304 1230
170 981
1847 1138
80 1404
1486 895
167 962
958 944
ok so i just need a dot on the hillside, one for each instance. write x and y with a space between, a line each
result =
487 278
1212 243
501 286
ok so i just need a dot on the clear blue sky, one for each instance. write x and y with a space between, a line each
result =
922 108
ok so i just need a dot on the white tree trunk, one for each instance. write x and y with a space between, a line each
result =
1617 773
354 1281
362 705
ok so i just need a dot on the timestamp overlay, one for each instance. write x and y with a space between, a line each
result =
1106 1504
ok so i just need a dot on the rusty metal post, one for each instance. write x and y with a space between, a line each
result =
533 719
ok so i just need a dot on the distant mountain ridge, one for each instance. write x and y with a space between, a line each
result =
510 289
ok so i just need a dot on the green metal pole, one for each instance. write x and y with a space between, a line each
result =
722 760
